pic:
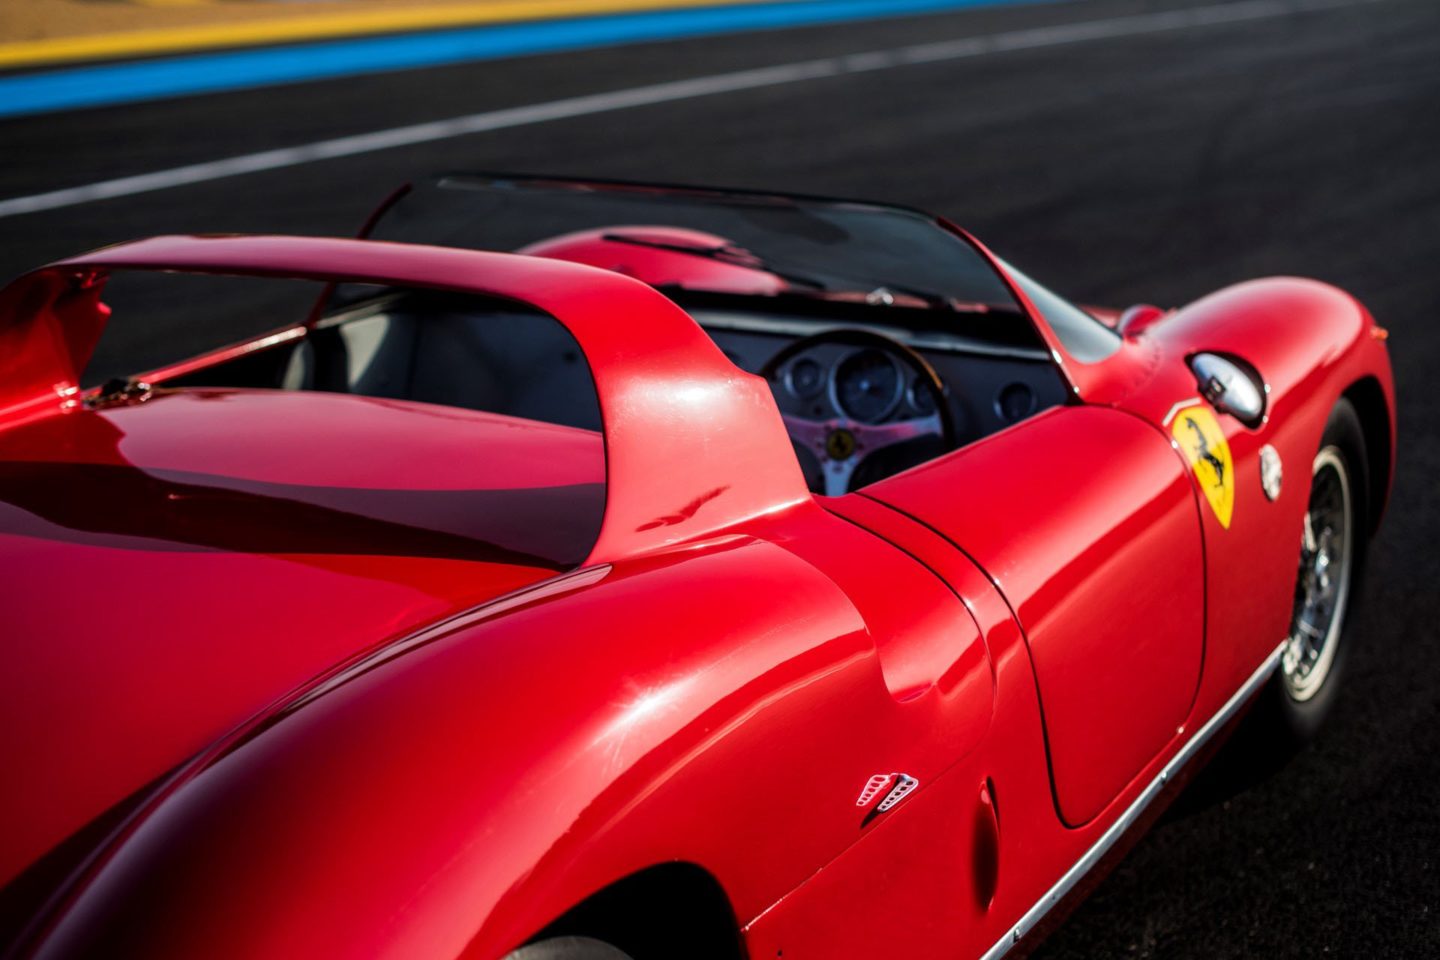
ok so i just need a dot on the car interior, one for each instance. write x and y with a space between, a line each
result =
904 395
887 337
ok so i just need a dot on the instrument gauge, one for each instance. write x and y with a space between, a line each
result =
867 386
922 398
804 379
1015 402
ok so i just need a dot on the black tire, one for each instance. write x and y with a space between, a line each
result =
1278 724
1282 720
568 948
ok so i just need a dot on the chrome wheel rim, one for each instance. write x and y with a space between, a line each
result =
1322 588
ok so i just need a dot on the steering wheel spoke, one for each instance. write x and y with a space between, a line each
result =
810 434
839 441
875 436
841 445
838 474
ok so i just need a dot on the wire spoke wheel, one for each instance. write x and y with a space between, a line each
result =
1322 588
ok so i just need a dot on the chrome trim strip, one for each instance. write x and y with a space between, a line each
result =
1107 840
953 344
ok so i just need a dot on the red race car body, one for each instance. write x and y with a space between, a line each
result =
304 668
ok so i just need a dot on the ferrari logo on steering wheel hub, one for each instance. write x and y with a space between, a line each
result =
840 444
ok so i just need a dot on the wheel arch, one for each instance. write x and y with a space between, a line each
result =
666 910
1367 396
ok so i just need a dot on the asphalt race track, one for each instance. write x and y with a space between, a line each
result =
1150 166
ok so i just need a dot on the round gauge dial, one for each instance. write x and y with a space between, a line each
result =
805 378
1015 402
867 386
922 398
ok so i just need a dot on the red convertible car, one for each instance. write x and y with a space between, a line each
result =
713 575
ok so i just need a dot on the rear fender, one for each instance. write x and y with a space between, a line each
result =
720 704
457 792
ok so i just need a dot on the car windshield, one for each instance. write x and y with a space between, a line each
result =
819 247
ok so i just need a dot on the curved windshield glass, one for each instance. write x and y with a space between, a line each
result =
1085 338
818 247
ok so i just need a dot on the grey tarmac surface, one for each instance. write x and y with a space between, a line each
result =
1144 168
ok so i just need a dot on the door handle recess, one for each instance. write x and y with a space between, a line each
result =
986 861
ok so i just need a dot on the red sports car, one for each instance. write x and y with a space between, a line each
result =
724 575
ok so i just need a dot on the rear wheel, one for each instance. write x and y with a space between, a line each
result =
568 948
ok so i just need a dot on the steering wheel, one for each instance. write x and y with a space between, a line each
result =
840 440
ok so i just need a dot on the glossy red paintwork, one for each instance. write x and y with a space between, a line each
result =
715 681
1309 342
1117 667
203 544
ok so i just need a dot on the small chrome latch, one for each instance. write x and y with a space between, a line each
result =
1272 474
118 391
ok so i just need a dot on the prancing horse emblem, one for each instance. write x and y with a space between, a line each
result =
840 444
1202 448
1199 437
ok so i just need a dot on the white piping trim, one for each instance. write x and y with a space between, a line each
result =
1180 405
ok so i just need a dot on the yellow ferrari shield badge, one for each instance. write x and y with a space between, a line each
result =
1202 441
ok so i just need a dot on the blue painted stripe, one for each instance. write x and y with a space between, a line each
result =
131 82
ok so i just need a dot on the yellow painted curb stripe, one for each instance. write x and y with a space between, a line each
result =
351 23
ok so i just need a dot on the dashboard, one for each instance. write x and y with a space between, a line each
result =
986 387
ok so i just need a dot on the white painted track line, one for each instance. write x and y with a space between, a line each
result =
960 49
